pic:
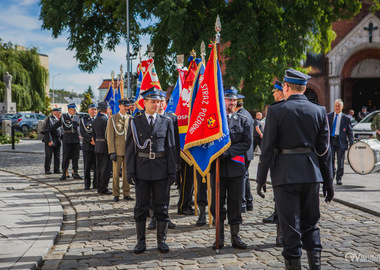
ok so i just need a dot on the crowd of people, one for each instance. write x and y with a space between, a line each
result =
298 146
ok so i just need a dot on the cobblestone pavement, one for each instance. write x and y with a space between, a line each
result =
98 233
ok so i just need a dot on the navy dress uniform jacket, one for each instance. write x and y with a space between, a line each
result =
52 135
70 128
295 123
346 134
99 127
86 132
162 137
241 141
251 122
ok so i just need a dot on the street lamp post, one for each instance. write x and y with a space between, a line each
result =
53 85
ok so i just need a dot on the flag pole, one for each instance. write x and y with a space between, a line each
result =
218 27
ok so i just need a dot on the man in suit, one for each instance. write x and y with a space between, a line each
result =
88 146
151 167
341 135
247 195
103 161
232 171
52 141
116 137
297 131
71 141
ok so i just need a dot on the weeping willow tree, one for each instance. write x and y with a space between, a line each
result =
29 77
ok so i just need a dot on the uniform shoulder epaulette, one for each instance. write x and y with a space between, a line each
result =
173 114
138 113
241 114
163 116
278 102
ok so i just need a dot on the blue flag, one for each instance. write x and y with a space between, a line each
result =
117 98
207 144
110 97
173 101
138 88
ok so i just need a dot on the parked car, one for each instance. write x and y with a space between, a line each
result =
5 116
362 130
25 121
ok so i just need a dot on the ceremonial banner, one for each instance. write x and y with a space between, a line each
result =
174 97
208 135
149 79
182 110
110 97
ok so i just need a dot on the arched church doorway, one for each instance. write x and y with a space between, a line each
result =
366 92
311 95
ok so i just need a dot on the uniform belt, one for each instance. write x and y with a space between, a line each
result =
100 140
298 150
151 155
336 136
68 131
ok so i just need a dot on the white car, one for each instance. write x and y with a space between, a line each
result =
362 130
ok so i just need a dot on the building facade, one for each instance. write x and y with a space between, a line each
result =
351 69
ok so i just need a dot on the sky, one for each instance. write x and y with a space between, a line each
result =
20 25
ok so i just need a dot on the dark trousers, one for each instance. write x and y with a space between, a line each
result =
155 190
202 191
186 187
103 171
298 213
247 195
89 160
70 151
49 151
256 142
232 189
337 149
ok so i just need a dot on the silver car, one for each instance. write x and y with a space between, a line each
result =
362 130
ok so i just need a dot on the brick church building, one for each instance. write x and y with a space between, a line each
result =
351 69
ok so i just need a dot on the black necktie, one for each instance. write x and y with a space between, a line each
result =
229 119
151 122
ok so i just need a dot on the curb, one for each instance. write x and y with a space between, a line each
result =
40 248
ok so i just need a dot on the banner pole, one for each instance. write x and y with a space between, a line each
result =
218 27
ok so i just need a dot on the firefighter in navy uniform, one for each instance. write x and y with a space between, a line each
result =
151 167
99 128
88 146
52 141
296 147
71 141
273 218
173 117
247 194
232 170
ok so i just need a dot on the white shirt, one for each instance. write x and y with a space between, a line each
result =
147 115
338 119
122 115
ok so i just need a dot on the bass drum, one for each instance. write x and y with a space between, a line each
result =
364 156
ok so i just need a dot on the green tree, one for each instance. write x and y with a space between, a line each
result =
29 77
47 106
89 91
86 101
265 37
